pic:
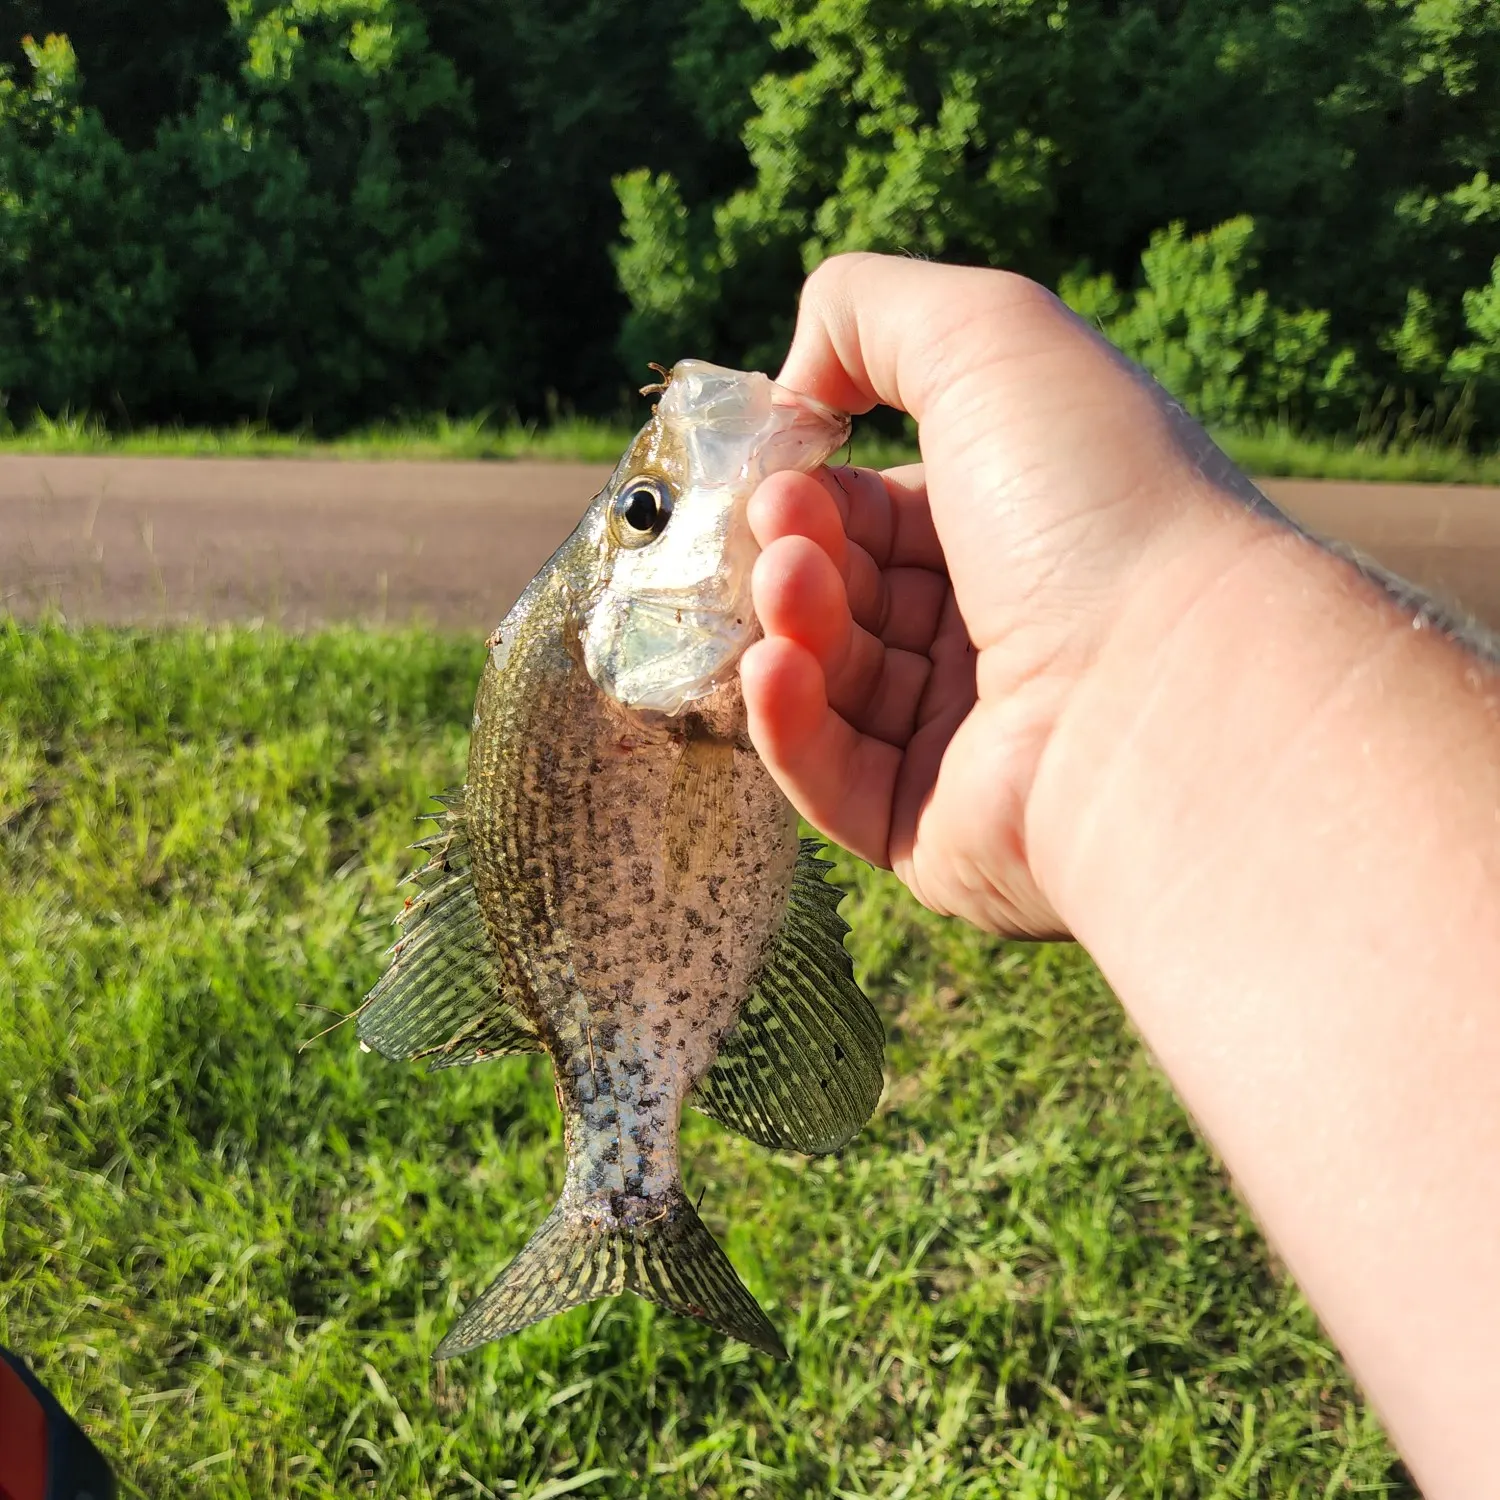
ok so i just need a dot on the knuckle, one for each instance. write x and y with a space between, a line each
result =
1008 294
828 284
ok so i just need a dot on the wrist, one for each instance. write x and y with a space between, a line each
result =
1235 635
1270 811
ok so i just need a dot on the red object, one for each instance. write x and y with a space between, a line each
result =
23 1440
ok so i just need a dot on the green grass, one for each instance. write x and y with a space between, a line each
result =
233 1258
1279 453
1273 453
583 439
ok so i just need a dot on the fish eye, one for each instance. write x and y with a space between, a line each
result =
642 510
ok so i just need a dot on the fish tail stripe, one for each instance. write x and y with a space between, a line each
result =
607 1272
681 1266
652 1274
660 1249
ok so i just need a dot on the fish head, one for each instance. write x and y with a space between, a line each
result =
672 612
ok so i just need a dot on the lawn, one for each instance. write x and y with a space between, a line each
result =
1272 453
233 1258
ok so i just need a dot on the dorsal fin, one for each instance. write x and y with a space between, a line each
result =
802 1070
444 996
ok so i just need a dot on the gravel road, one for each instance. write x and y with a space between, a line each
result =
305 541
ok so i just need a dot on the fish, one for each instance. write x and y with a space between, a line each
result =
620 883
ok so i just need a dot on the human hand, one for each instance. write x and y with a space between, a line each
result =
1067 675
928 629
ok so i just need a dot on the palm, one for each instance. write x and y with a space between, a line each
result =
868 699
863 695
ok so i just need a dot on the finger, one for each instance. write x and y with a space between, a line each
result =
885 329
791 503
809 506
887 514
839 780
884 513
800 597
953 685
912 601
885 700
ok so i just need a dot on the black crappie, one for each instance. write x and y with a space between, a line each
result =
620 883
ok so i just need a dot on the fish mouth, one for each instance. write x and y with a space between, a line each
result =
742 426
674 614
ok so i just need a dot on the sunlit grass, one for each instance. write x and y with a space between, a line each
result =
1273 453
565 438
1279 453
234 1258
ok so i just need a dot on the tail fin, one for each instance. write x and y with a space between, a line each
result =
657 1248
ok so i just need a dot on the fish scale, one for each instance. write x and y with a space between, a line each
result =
620 883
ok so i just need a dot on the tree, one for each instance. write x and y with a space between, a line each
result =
1215 339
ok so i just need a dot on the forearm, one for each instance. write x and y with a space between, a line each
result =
1288 865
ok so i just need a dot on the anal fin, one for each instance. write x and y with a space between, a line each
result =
659 1249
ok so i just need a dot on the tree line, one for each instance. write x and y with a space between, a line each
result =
325 212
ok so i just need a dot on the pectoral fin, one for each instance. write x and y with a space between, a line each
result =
700 815
803 1069
445 996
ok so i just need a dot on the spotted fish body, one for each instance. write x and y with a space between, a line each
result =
620 882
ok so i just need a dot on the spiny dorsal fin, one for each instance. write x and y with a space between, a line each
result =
660 1249
802 1070
443 997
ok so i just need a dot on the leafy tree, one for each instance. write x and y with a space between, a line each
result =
568 94
86 300
145 62
887 125
1475 364
319 212
300 244
1214 339
1358 135
330 210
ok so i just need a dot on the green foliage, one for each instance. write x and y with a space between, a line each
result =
343 144
298 244
569 94
359 208
1358 136
332 212
890 132
233 1258
145 63
84 294
1214 340
1478 360
663 269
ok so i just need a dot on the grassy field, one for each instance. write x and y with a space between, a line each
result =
234 1258
1274 453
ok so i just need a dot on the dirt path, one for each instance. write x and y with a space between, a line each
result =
300 542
